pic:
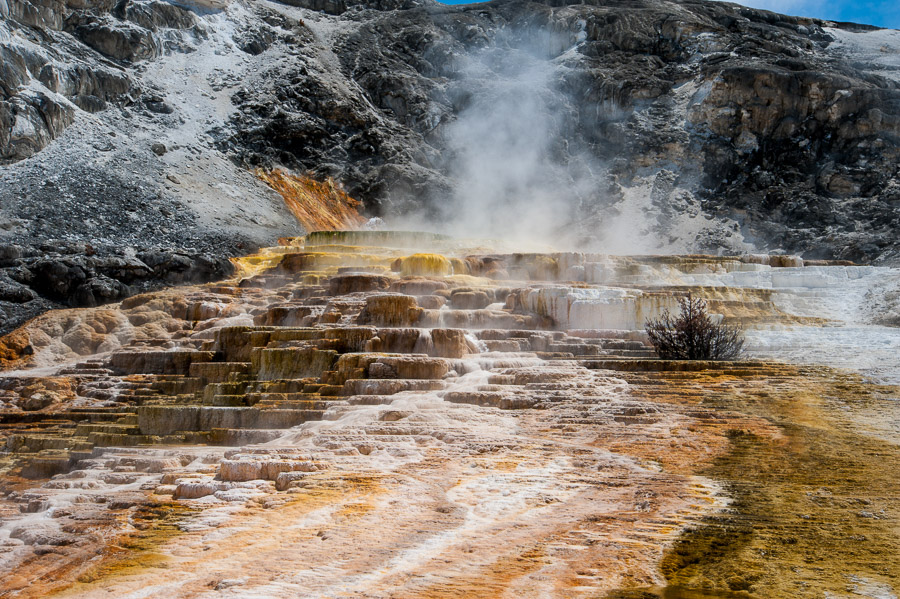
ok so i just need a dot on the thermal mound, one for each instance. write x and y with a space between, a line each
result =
388 414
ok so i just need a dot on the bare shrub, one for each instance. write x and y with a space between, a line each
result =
692 335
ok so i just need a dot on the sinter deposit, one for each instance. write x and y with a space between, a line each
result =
388 414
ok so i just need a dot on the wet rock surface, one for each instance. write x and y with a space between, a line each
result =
463 449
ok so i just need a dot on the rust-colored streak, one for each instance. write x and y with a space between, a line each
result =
100 553
318 205
15 350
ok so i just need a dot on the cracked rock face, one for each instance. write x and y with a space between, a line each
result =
652 126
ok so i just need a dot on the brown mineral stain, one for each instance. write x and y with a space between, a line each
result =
814 508
15 349
492 580
157 523
695 480
318 205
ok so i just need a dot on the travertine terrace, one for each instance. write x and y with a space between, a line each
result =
385 414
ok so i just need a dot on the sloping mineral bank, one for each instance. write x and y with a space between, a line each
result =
388 414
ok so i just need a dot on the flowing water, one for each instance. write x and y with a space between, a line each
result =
388 414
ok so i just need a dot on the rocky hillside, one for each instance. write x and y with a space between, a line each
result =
134 127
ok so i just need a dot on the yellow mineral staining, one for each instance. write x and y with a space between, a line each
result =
745 306
319 206
266 259
152 524
373 239
539 267
424 265
801 520
337 248
307 261
459 266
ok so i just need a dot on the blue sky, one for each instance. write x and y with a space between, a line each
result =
884 13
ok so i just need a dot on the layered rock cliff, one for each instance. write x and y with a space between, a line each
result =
624 126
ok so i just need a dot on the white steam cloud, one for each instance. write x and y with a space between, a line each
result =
501 150
508 152
520 171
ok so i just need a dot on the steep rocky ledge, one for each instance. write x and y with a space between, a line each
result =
692 125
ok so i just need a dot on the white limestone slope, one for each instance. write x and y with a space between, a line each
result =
851 311
877 52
